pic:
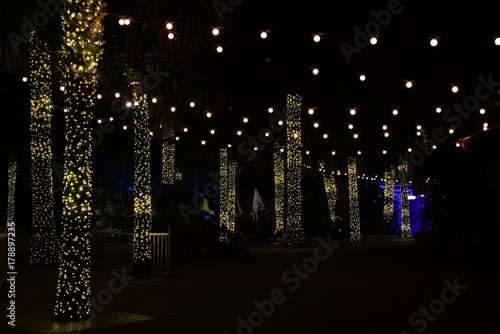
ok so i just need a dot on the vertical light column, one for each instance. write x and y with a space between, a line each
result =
43 248
223 190
81 22
142 186
231 196
389 177
279 186
330 189
293 234
405 205
168 159
354 220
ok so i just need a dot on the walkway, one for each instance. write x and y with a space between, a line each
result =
369 288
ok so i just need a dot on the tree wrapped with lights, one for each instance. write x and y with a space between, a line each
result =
82 50
223 191
330 189
405 203
354 220
142 246
231 196
389 178
279 186
44 243
168 158
293 234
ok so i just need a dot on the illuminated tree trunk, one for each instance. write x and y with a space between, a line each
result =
44 244
294 234
279 187
82 49
388 215
405 204
354 219
168 159
330 190
223 193
142 248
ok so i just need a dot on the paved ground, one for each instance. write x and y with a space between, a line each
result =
369 288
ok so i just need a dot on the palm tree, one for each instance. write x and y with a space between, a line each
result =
44 244
81 51
134 51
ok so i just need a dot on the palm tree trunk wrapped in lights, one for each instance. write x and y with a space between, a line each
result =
44 243
82 50
388 214
330 189
223 193
354 219
168 159
405 203
293 234
279 186
231 196
142 249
